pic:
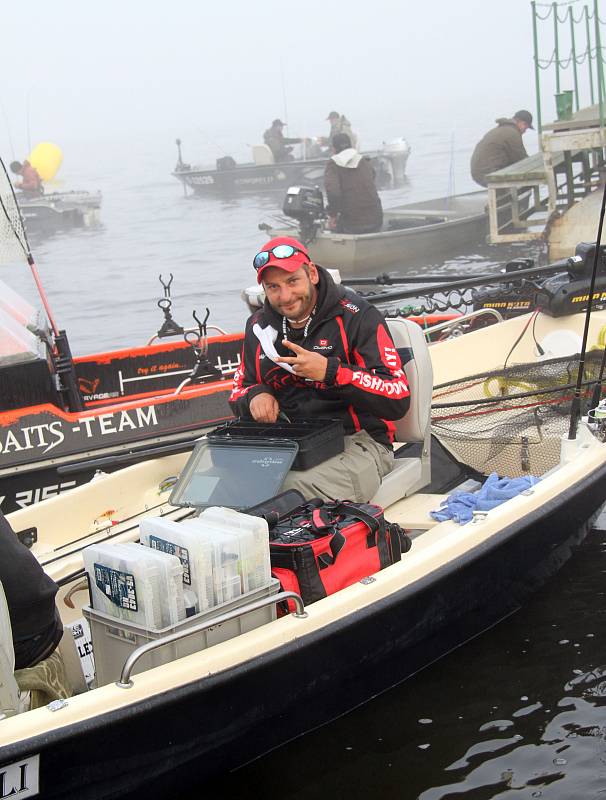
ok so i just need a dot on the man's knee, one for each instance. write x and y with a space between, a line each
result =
355 474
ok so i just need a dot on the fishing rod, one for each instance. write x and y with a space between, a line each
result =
8 128
12 228
283 91
211 141
468 283
14 219
575 411
133 454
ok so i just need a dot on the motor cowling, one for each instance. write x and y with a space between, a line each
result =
304 203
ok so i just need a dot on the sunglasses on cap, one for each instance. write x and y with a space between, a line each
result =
280 251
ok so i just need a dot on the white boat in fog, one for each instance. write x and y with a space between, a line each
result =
413 235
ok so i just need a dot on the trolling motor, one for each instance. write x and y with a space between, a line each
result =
306 205
511 296
566 292
169 327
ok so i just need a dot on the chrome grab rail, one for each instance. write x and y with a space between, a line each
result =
454 323
125 681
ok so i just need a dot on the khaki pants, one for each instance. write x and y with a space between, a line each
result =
355 474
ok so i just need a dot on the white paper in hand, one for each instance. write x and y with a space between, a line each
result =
267 337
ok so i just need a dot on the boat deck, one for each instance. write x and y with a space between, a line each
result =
413 512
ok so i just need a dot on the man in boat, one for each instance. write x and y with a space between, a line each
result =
354 205
30 596
333 358
338 124
501 146
30 183
278 143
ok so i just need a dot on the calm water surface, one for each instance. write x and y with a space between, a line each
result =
103 283
516 714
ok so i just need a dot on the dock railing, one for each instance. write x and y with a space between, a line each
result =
588 55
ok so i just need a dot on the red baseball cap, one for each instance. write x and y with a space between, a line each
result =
289 263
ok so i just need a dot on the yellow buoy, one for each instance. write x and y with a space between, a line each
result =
46 158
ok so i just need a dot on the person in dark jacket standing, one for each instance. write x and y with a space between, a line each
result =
501 146
339 124
353 205
318 350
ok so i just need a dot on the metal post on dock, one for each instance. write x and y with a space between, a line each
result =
588 32
556 45
574 60
599 61
537 70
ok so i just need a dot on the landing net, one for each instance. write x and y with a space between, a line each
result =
13 241
511 421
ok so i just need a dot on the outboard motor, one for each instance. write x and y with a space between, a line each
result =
306 205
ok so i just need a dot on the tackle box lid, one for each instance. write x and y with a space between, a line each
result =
236 474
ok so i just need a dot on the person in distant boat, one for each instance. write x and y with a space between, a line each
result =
501 146
278 143
338 124
30 596
334 358
31 183
354 205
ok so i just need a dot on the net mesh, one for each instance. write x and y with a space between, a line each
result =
13 241
511 421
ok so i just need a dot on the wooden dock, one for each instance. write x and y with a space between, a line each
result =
544 186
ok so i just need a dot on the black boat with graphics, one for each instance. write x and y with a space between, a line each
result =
62 418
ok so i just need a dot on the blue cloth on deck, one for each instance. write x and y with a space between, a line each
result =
461 505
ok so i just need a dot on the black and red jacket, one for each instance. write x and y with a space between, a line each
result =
365 385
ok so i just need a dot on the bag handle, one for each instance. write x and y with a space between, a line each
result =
321 519
321 522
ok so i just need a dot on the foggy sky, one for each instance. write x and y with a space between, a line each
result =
129 70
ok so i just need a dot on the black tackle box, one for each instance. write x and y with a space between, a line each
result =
317 439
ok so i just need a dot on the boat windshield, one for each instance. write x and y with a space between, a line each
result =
18 308
17 343
235 475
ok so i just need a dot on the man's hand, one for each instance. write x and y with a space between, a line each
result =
264 407
305 363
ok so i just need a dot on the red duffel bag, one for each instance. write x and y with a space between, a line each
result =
321 547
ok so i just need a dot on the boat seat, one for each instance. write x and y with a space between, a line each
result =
9 691
408 475
262 155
